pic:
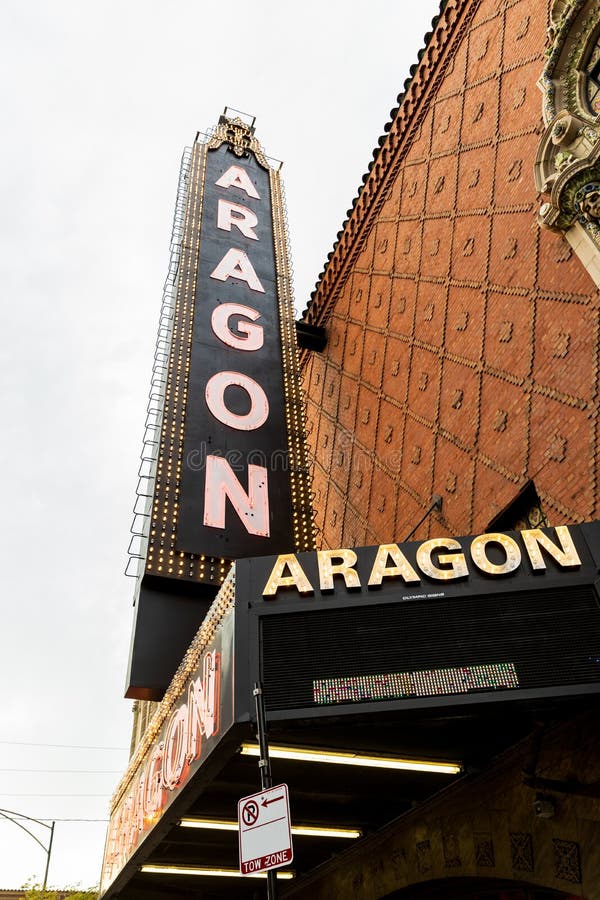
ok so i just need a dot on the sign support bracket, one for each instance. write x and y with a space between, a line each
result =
264 765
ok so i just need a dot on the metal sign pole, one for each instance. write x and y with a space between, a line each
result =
264 765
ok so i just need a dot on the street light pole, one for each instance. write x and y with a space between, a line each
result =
10 813
48 855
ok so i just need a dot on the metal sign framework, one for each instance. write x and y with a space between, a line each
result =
225 471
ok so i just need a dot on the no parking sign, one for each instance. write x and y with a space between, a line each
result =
264 830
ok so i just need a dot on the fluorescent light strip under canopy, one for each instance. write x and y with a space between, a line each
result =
306 830
208 872
343 758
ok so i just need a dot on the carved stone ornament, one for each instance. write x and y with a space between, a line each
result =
567 165
240 138
587 202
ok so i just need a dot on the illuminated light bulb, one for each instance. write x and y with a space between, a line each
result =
354 759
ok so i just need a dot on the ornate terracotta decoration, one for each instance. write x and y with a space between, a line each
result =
567 166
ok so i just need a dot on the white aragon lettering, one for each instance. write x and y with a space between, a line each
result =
509 546
566 555
258 413
236 176
455 561
288 572
152 785
401 567
235 264
175 749
252 507
344 568
203 705
254 334
297 577
245 220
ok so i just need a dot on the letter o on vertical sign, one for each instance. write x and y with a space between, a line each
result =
175 749
215 400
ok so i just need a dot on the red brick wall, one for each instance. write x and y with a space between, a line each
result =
463 339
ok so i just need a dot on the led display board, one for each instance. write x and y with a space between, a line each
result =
444 622
226 475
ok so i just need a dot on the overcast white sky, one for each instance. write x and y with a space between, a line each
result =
98 101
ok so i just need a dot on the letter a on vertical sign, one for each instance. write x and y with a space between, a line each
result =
265 832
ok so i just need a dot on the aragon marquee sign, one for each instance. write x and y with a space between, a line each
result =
231 478
440 560
437 627
443 622
236 495
229 474
195 714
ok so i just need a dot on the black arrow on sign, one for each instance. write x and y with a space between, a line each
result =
266 802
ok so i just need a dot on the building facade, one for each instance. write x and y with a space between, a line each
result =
450 359
462 352
458 393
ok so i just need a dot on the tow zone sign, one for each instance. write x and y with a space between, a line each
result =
264 830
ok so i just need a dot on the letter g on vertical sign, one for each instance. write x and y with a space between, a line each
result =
250 337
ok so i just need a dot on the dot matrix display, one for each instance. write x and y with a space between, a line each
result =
427 683
440 650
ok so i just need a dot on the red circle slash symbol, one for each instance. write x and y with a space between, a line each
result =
250 812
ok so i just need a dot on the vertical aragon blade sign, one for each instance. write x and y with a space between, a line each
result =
235 492
226 476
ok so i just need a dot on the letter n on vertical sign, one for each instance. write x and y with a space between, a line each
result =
235 496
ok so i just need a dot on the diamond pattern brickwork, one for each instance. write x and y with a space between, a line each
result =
463 340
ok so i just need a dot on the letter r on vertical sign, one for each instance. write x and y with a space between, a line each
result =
244 219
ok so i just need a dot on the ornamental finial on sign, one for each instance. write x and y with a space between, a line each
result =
239 134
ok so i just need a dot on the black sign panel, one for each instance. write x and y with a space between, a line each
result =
206 437
525 634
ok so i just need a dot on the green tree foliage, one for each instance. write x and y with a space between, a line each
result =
32 891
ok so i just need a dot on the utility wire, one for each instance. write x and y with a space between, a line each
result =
66 771
54 795
54 819
62 746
